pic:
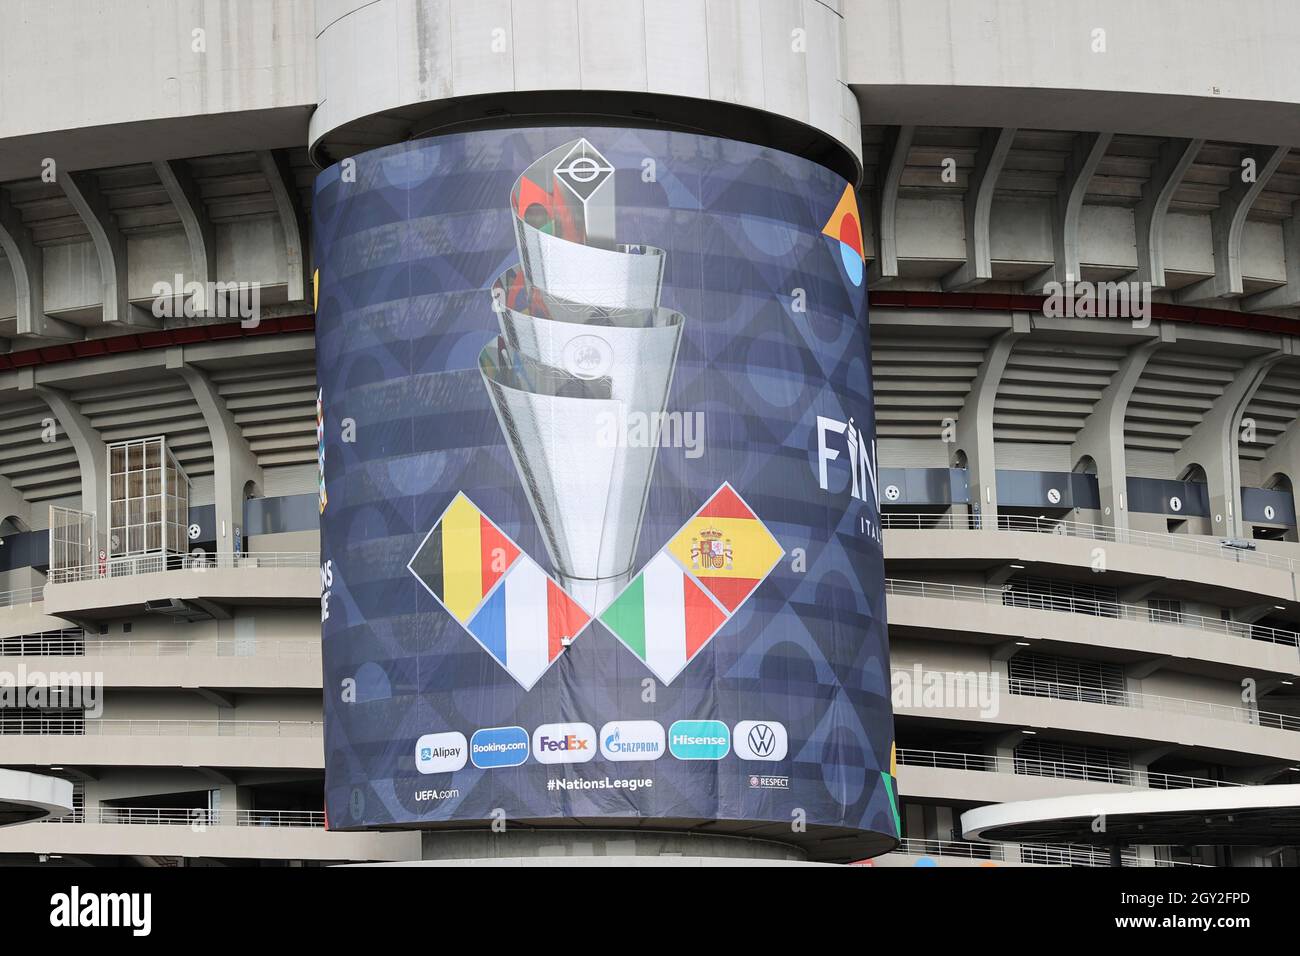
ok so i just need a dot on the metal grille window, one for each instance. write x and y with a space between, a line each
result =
22 721
1046 758
1048 595
69 642
1066 678
1164 611
74 542
148 499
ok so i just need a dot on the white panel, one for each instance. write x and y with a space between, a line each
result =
546 49
785 69
1107 237
1263 253
479 63
290 480
735 69
1020 230
911 453
1031 456
677 57
1148 464
71 277
930 228
613 44
1189 245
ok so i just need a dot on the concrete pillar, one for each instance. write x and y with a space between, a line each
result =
1213 445
1102 436
234 464
975 423
92 455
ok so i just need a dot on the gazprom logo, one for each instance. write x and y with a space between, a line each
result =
632 740
498 747
699 740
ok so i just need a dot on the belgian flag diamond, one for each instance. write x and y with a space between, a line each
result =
503 599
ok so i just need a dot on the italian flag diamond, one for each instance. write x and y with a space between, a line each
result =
664 617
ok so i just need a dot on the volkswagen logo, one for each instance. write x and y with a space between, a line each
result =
762 740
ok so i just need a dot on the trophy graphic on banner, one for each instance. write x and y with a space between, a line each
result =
579 375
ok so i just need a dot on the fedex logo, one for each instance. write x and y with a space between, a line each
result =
564 743
861 454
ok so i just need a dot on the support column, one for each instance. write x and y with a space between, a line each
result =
234 464
975 423
92 455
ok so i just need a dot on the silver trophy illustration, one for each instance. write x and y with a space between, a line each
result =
579 375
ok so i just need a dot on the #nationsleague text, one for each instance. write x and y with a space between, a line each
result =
861 461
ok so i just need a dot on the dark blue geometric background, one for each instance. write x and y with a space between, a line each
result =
407 254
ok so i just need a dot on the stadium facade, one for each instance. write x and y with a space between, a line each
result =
1080 244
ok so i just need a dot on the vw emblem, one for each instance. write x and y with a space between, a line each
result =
762 741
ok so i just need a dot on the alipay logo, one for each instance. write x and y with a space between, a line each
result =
761 740
498 747
441 753
632 740
699 740
564 743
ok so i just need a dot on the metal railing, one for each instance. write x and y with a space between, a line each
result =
129 566
194 816
1184 544
1113 610
1058 769
1174 705
1122 698
22 597
1043 854
67 644
73 725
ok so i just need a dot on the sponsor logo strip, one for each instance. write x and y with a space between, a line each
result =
699 740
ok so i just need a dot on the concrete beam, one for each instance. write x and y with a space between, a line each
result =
293 220
1284 296
1213 444
1089 148
1228 225
92 455
13 504
199 233
82 190
234 462
893 157
1176 155
995 144
27 262
1144 669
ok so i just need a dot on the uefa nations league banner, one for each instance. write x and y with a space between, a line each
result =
599 521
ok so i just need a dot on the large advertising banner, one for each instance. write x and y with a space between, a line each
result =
599 518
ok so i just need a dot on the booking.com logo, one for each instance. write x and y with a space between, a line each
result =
498 747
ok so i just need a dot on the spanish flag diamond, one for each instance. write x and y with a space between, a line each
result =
726 548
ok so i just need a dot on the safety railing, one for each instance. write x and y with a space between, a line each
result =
1059 769
1223 548
132 565
1173 705
1043 854
68 644
22 597
73 725
194 817
1113 610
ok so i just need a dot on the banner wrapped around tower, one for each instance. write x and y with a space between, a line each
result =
600 532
